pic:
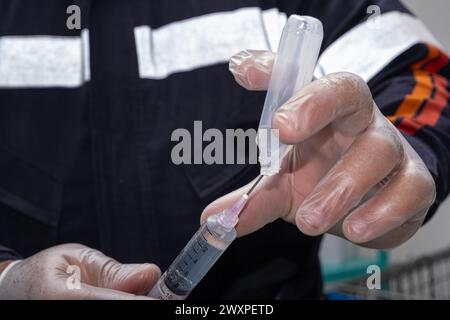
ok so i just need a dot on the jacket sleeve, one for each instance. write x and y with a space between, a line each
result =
413 92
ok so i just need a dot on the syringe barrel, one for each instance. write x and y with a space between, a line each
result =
293 69
194 261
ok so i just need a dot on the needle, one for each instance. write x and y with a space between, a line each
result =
254 185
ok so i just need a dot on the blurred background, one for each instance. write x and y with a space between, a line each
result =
421 267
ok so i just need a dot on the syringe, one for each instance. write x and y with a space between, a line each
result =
200 253
293 68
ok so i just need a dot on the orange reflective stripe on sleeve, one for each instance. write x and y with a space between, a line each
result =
434 106
422 91
429 97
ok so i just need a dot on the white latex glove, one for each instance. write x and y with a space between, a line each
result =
350 173
47 275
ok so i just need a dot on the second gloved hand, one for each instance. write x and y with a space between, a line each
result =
53 274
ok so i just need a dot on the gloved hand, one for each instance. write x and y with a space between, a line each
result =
52 274
350 173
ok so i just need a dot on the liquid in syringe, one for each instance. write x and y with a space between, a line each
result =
200 253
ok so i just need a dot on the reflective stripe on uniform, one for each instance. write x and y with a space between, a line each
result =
44 61
205 40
